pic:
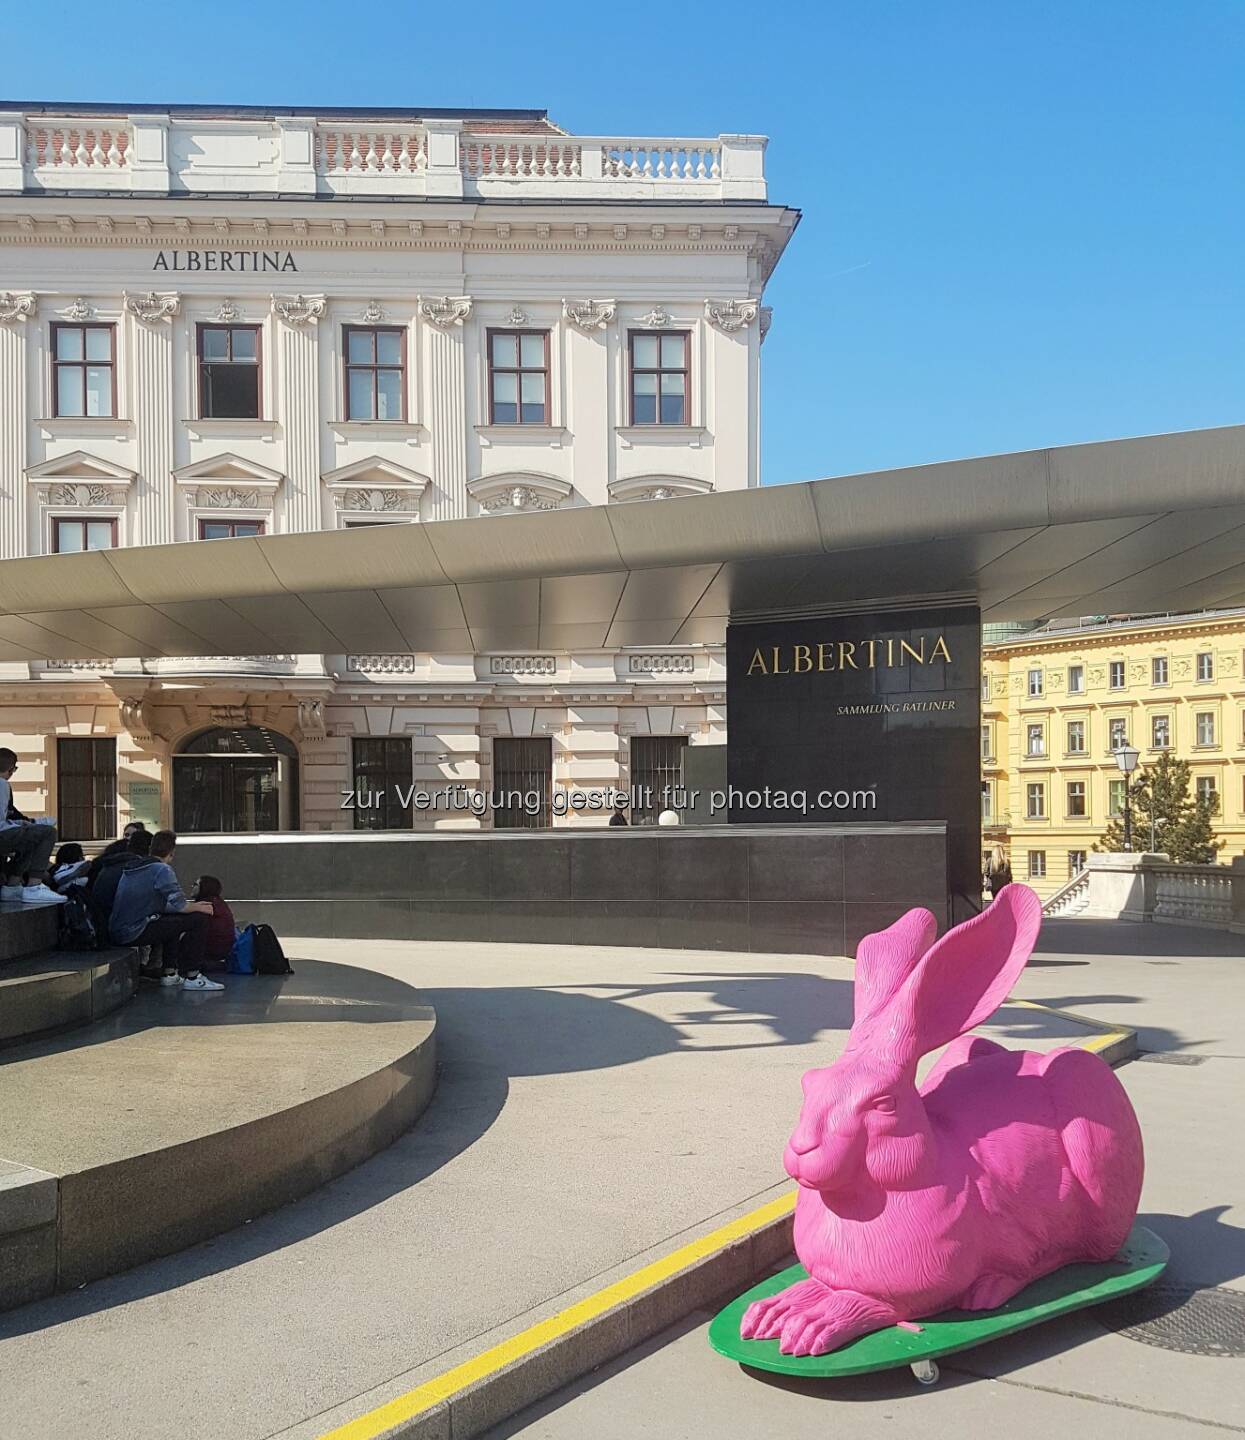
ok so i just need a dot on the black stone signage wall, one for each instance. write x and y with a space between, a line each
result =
865 717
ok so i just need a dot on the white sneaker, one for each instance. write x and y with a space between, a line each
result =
171 982
41 895
201 982
10 894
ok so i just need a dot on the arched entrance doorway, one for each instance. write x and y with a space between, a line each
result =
232 778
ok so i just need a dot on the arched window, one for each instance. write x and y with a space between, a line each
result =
235 778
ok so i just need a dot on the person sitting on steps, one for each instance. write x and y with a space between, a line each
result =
69 868
25 845
150 909
103 893
115 847
222 928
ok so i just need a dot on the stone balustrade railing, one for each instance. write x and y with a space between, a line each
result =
1194 895
299 155
1143 886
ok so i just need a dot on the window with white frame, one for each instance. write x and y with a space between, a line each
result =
1037 864
73 533
1206 665
1158 670
1035 740
84 370
1117 675
1076 737
1076 863
1160 732
1076 799
1117 733
987 801
987 742
1076 679
1115 798
1035 683
1208 791
660 368
1035 801
1205 727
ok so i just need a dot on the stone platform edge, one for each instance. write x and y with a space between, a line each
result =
55 1230
488 1387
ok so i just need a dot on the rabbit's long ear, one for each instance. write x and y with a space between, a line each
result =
968 974
885 959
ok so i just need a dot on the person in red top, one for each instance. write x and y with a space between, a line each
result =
221 930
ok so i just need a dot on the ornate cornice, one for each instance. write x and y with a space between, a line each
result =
446 311
153 307
330 234
15 306
589 315
730 315
299 309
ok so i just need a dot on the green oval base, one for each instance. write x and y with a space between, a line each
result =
1141 1261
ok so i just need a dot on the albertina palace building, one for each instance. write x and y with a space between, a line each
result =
221 323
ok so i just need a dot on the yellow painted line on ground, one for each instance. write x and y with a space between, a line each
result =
444 1387
1107 1035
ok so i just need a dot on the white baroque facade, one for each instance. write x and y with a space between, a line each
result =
222 323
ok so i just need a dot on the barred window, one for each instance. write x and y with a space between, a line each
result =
86 788
522 781
382 781
656 770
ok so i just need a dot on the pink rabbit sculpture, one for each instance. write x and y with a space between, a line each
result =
1001 1167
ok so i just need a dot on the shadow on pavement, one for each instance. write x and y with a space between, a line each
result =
485 1037
1127 937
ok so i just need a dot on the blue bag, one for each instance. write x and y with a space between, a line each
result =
242 957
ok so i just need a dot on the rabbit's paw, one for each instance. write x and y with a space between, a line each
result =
831 1320
763 1319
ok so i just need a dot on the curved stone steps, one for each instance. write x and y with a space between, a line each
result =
183 1115
63 988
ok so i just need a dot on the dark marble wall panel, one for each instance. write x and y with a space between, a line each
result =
838 704
780 889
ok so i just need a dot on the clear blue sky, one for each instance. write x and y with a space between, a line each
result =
1023 225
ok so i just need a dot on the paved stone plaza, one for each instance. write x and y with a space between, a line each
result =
595 1107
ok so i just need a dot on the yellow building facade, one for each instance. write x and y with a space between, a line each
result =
1057 701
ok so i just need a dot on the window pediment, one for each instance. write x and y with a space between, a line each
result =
658 487
517 491
228 469
228 482
82 480
377 487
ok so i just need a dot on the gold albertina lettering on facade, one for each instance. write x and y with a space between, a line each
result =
888 653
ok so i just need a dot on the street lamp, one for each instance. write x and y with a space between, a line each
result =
1126 757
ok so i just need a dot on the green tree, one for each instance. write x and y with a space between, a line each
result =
1182 822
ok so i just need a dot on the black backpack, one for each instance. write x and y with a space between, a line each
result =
77 927
269 956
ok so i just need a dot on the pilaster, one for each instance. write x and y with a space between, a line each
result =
154 514
447 419
13 430
298 333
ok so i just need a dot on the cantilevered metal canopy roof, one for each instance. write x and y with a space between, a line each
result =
1139 524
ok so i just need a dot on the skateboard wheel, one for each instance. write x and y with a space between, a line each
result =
926 1372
